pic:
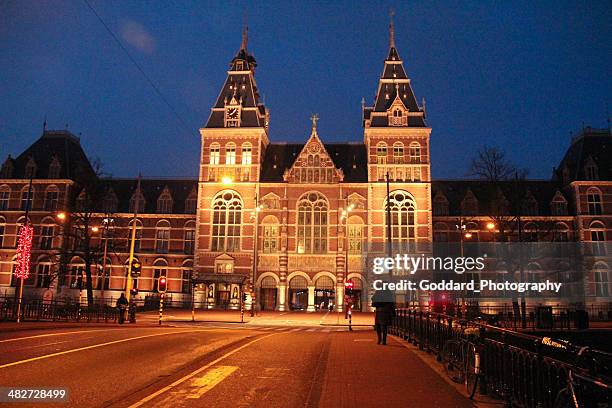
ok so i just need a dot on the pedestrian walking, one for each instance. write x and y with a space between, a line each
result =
122 304
385 313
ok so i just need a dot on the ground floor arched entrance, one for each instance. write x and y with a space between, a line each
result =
298 293
325 293
268 294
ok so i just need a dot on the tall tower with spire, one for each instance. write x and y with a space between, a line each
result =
234 140
396 136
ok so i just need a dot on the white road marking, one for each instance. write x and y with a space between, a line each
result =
196 372
52 334
93 347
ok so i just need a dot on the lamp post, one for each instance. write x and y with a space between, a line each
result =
462 234
108 224
344 217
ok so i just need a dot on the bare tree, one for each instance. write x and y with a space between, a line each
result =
491 164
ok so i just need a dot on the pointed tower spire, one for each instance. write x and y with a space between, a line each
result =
245 37
391 29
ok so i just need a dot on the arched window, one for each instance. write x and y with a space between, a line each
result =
164 202
47 233
355 235
247 157
558 205
397 113
381 153
271 234
598 238
312 224
594 201
441 232
75 277
26 198
601 278
30 168
162 237
227 211
110 201
191 201
5 195
137 202
402 209
415 152
230 153
561 232
215 154
103 281
440 205
51 198
54 168
138 236
398 152
160 268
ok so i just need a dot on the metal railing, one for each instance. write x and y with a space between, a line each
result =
521 369
56 311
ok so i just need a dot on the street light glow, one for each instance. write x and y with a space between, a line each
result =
227 180
95 229
468 235
61 216
490 225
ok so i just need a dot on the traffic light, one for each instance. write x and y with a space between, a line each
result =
134 291
136 267
162 284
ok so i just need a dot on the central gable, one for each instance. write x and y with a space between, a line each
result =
313 164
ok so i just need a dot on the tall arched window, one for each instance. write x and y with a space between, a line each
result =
26 198
271 234
215 154
227 210
312 224
598 238
162 237
601 278
355 235
381 153
594 201
51 198
398 152
415 152
230 153
402 217
247 157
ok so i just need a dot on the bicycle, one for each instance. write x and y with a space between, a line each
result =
461 359
588 381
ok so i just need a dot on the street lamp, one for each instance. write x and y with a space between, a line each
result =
344 217
227 180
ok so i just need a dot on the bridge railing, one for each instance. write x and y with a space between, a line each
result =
519 368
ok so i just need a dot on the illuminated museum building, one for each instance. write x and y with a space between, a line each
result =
317 206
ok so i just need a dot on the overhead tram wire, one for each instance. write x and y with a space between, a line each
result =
140 69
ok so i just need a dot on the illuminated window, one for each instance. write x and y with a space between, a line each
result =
381 153
230 153
215 153
398 153
355 238
415 152
247 153
162 237
312 224
402 217
270 238
227 212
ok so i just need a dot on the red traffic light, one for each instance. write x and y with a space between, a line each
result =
162 284
348 285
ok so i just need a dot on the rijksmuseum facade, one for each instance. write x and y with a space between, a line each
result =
300 220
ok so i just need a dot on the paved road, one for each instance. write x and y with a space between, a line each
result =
214 366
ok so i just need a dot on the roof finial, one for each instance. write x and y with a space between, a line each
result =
391 29
45 124
314 118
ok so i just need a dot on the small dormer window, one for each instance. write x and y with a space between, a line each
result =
590 172
239 65
397 113
30 169
54 168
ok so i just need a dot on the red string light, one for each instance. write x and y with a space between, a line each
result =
24 250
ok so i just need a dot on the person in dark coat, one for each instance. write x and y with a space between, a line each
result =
122 304
385 313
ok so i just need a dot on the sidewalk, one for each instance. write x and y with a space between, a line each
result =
361 373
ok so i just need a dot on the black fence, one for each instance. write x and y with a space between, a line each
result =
57 311
520 369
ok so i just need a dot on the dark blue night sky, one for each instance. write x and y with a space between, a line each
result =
518 75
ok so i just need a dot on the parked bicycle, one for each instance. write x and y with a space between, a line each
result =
588 381
461 359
